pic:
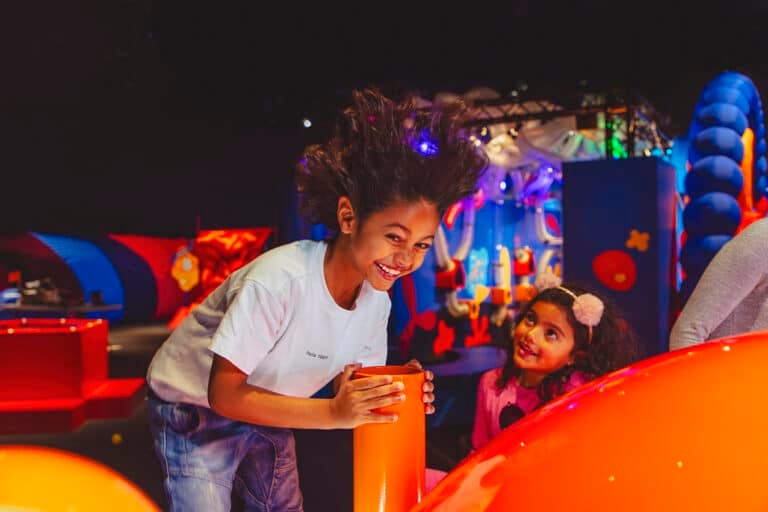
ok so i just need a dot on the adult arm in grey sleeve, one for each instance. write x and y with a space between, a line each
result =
731 275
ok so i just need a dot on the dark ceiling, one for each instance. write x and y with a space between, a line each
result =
145 115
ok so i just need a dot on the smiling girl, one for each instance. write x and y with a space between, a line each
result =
233 379
562 338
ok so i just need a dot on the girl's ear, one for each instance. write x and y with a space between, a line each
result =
345 215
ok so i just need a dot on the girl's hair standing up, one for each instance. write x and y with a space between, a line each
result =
385 152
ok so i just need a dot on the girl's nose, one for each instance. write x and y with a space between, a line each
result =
532 335
403 259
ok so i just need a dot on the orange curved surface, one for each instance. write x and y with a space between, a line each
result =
51 480
389 459
684 430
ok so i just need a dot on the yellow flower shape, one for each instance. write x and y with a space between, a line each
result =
638 240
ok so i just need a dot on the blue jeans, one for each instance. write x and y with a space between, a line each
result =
204 456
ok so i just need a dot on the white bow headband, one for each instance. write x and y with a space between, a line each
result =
587 308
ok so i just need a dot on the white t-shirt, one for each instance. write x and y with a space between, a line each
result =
276 321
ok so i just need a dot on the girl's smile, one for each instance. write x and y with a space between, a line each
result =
389 273
393 242
543 342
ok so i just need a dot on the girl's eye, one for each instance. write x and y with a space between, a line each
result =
394 237
423 247
530 319
551 334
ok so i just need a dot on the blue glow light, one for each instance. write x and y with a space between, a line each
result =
507 185
425 145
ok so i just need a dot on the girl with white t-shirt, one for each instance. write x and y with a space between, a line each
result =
239 372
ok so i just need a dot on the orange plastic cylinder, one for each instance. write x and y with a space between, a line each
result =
389 459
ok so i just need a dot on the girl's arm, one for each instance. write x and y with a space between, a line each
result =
231 396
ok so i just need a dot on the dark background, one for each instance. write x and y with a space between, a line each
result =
159 116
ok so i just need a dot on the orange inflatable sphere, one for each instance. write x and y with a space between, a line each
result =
39 479
684 430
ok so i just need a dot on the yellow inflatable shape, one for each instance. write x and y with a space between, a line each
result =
41 479
481 293
638 240
186 270
506 269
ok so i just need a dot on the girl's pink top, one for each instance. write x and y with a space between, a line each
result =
498 408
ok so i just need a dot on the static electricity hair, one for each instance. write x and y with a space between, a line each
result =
613 344
383 152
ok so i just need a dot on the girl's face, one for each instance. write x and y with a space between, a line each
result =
543 342
393 242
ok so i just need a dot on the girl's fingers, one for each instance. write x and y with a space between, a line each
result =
379 391
384 401
348 370
380 418
369 382
414 363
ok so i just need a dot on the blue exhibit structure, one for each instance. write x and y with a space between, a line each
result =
619 239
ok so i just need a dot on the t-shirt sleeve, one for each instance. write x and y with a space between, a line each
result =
731 275
250 327
481 430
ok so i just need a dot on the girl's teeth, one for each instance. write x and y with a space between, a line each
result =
387 270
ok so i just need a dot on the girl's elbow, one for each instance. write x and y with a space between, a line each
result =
215 402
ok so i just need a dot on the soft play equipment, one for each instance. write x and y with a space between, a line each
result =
211 257
683 430
619 222
389 458
150 278
725 183
129 270
54 376
42 479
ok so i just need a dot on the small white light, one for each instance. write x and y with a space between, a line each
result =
306 123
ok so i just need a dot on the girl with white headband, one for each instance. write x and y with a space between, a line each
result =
562 338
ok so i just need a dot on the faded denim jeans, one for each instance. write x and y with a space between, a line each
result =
204 455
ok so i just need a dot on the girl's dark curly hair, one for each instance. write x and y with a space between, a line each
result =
613 344
383 152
